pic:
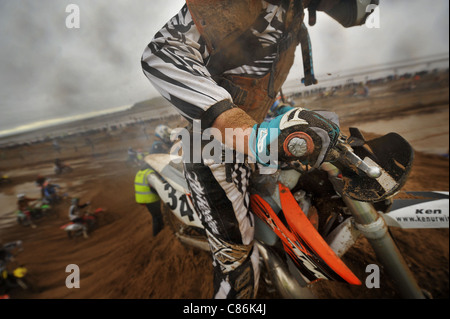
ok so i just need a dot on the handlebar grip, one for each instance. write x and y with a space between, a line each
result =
370 171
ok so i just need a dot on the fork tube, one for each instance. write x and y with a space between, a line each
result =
374 228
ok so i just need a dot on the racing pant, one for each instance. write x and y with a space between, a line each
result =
220 193
157 219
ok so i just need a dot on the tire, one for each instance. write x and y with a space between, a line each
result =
187 235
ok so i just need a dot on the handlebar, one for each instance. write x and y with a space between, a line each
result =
342 153
347 156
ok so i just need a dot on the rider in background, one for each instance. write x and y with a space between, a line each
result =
163 142
40 181
51 192
76 213
75 210
132 156
6 254
224 71
24 209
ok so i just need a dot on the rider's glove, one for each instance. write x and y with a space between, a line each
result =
299 134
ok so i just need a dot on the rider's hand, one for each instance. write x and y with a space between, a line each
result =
300 134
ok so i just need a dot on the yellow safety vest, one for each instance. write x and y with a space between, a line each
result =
143 192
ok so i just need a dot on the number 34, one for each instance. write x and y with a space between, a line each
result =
185 209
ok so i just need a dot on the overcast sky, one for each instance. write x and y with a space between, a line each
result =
49 71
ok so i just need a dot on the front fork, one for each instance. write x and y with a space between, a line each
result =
372 225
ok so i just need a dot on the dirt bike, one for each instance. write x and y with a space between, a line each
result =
308 219
90 222
39 210
12 277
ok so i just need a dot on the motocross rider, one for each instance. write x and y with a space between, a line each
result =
76 214
40 181
132 156
51 192
24 209
163 142
222 64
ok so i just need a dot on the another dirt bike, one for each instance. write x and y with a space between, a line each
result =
12 277
308 219
90 222
39 210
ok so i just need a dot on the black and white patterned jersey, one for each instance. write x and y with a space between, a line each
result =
176 62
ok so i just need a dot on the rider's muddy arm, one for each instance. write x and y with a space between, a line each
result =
241 125
175 63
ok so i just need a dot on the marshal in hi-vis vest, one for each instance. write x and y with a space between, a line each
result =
224 35
143 192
